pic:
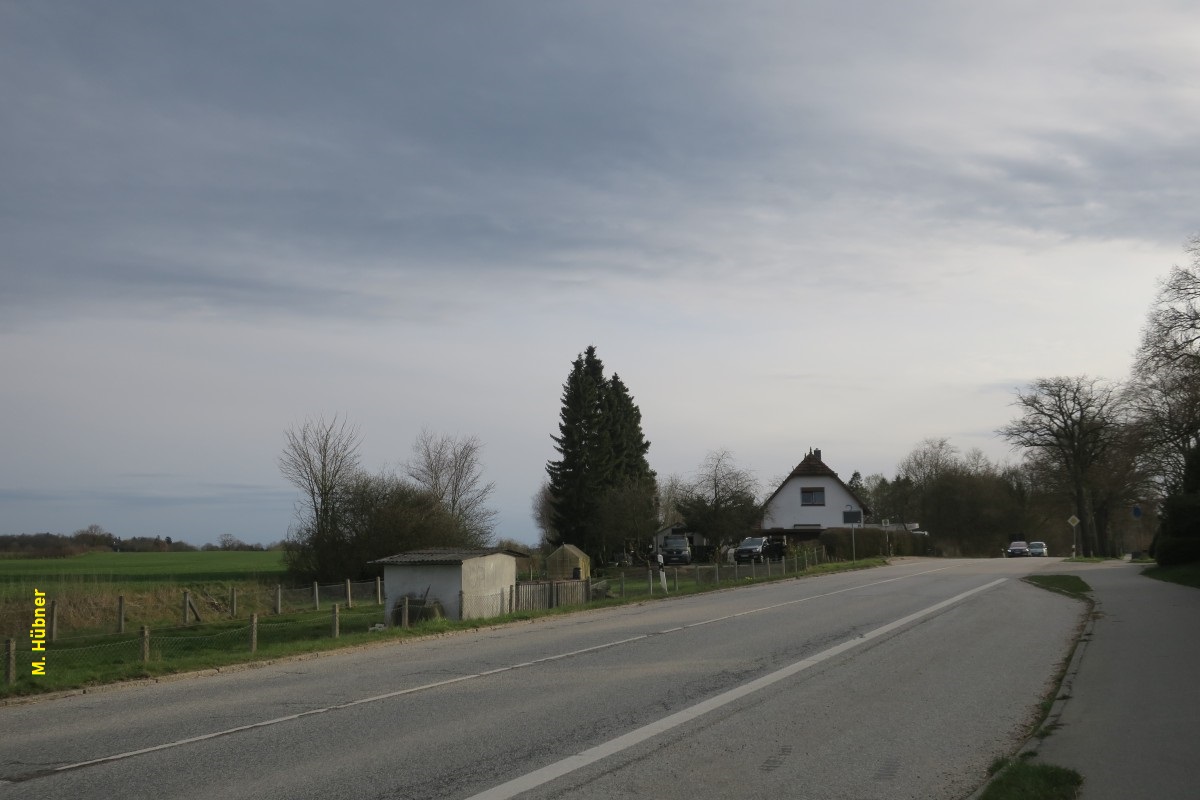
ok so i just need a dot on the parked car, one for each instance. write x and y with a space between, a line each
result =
1017 549
676 550
760 549
1038 549
752 548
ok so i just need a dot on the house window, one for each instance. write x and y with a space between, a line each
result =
812 497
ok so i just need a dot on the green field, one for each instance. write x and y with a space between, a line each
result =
217 565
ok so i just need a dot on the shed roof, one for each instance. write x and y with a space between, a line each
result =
443 556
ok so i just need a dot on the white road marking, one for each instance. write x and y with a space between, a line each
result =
461 678
572 763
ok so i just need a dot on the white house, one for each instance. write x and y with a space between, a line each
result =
811 499
476 579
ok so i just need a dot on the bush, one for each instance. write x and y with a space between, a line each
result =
1170 552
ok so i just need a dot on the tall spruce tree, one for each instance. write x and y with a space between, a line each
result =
601 488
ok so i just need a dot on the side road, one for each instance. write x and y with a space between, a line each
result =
1131 719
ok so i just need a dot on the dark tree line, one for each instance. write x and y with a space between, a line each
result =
93 538
600 492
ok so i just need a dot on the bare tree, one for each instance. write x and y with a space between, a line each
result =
449 467
670 492
1171 336
1075 421
721 503
320 458
541 508
931 459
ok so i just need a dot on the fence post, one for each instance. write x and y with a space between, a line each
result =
187 603
650 580
120 613
316 597
404 613
145 644
349 599
10 662
278 599
677 579
461 598
753 569
378 591
53 620
334 628
254 633
512 601
717 570
233 602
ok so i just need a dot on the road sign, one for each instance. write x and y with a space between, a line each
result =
1073 521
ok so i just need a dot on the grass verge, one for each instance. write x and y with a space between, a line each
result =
1021 780
1071 585
1183 574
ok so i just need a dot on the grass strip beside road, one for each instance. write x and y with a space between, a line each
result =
1183 574
1071 585
1021 780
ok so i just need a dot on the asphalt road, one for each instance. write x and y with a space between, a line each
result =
900 682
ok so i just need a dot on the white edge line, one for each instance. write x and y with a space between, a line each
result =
572 763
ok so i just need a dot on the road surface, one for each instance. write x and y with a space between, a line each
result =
905 681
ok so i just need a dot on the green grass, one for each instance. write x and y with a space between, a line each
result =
1071 585
1184 574
1021 780
145 567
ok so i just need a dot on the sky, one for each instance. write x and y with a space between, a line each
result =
785 225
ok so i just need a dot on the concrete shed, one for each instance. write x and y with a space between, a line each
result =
562 563
455 577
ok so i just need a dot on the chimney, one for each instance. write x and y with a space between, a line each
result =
817 453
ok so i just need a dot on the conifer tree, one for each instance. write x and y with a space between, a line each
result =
601 488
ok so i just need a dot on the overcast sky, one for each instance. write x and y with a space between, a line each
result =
786 225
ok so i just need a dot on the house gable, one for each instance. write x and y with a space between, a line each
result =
811 498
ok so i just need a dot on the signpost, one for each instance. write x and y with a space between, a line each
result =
849 517
1073 521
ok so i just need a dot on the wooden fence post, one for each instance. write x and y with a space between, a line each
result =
233 602
120 613
278 599
461 597
378 591
349 599
316 597
145 645
622 584
335 626
254 633
717 570
187 602
10 662
404 613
